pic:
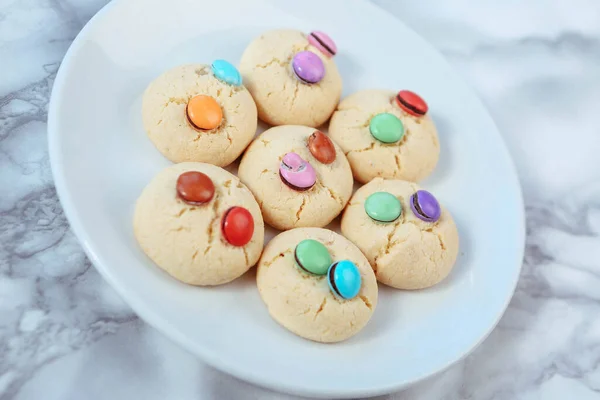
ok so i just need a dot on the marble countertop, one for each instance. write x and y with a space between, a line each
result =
65 334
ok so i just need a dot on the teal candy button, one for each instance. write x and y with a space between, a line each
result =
226 72
383 207
386 128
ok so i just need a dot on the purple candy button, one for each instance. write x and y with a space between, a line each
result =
308 67
425 206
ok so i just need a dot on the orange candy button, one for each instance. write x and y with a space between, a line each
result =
204 112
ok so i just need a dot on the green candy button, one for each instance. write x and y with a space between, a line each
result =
386 128
313 257
383 207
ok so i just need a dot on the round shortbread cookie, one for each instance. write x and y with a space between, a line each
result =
282 206
411 158
407 253
188 240
303 303
165 117
282 98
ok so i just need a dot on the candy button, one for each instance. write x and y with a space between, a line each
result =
226 72
383 207
312 257
321 147
238 226
412 103
425 206
323 42
308 67
204 112
386 128
297 173
194 187
344 279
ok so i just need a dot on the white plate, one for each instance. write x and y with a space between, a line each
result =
101 159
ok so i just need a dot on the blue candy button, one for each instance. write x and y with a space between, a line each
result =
344 279
226 72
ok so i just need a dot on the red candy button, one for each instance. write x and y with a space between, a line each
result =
412 103
238 226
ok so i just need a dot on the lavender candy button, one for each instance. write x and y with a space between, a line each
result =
308 67
425 206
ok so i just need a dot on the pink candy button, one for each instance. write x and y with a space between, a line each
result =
323 42
297 173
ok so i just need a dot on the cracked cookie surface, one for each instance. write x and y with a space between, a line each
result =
165 121
302 302
408 253
186 240
285 208
280 97
413 158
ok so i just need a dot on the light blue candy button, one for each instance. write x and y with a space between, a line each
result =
226 72
344 279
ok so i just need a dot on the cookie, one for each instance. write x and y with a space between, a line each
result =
199 223
386 134
200 113
298 175
317 284
292 77
409 239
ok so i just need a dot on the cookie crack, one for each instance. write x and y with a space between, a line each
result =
210 230
334 196
439 238
371 147
176 100
366 301
227 184
271 261
224 127
397 159
179 229
171 100
295 95
321 307
389 244
181 212
276 60
246 255
305 311
300 209
272 61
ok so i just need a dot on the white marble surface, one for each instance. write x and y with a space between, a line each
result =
64 334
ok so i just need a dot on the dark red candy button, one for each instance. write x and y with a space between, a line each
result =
238 226
194 187
412 103
321 147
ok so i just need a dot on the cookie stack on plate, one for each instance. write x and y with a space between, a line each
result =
204 225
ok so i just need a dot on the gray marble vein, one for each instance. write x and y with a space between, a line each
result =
65 334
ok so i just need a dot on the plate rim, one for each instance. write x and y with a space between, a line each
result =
206 355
